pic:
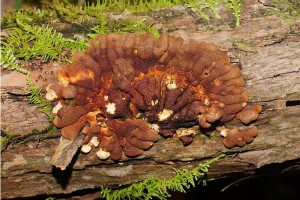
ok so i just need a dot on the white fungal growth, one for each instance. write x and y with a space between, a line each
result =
56 108
165 114
111 108
207 102
218 82
154 102
102 154
170 82
219 104
50 95
63 80
105 97
224 132
155 127
94 141
187 131
86 148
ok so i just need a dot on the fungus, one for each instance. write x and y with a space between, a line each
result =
126 89
249 113
186 135
132 136
54 91
237 137
86 148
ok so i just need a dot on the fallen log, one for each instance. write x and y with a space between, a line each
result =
268 51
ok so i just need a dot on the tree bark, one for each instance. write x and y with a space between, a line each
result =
267 48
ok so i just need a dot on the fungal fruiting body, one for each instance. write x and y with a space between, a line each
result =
126 89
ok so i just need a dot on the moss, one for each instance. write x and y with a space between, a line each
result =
159 188
4 141
285 9
50 198
235 7
66 12
122 26
26 39
15 139
203 7
37 97
30 37
244 46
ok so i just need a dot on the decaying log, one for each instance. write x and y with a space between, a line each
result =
268 51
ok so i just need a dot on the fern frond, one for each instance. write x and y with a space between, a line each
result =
122 26
155 187
235 7
212 5
284 9
37 97
133 25
9 61
16 139
27 42
47 43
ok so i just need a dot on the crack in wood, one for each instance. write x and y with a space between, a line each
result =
277 75
292 103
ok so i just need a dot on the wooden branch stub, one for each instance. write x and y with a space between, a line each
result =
65 152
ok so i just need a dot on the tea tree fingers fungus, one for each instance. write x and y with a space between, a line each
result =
126 89
237 137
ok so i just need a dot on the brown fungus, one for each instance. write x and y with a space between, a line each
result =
249 113
237 137
129 88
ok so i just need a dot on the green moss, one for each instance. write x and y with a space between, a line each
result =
133 6
66 12
50 198
4 141
200 6
235 7
122 26
286 9
37 97
244 46
16 139
27 39
159 188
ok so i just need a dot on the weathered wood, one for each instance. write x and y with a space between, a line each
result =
25 165
268 50
65 152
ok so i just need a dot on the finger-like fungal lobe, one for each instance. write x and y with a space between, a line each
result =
237 137
126 89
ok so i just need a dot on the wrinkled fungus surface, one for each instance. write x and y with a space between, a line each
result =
237 137
126 89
